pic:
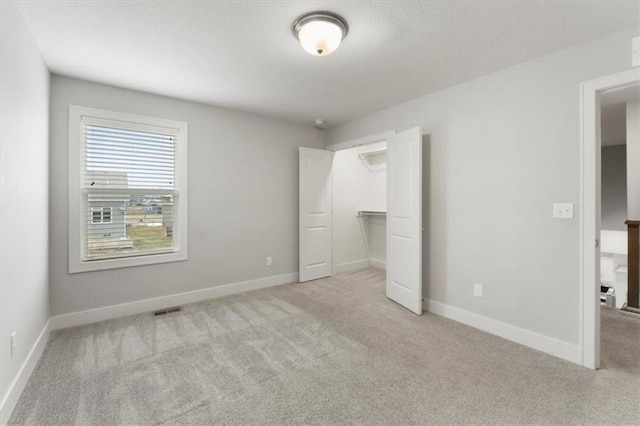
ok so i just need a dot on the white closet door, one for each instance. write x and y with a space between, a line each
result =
404 219
315 213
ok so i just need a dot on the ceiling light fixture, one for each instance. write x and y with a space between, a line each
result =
321 32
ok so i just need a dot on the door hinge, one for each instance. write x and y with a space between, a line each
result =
597 243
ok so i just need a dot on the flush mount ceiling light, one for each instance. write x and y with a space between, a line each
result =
320 33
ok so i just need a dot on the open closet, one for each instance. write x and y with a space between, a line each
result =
378 196
360 207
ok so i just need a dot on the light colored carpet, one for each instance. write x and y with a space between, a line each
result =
332 351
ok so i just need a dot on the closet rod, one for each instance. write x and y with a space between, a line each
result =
370 213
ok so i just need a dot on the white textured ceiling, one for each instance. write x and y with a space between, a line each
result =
242 54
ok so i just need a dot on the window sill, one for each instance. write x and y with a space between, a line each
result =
77 266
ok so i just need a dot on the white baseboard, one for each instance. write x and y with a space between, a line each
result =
351 266
20 381
524 337
148 305
380 264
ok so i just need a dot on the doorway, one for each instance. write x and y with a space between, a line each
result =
619 203
590 218
396 158
619 139
360 207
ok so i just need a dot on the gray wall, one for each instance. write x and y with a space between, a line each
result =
614 188
502 149
243 199
24 165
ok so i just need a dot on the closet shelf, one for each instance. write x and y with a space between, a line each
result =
375 160
369 154
362 213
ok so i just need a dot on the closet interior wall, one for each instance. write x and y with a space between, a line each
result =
359 184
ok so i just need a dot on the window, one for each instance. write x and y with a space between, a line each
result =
101 215
127 190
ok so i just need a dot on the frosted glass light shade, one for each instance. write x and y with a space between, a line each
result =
320 38
320 33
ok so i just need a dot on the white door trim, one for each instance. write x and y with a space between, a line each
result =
590 92
366 140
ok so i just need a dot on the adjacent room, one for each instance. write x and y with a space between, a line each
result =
319 212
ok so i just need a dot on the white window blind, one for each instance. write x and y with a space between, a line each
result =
129 184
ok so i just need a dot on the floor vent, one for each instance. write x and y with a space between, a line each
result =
166 311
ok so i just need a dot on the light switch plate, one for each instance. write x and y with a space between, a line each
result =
563 210
477 290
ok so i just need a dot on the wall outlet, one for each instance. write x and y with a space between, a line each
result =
563 210
13 343
477 290
269 261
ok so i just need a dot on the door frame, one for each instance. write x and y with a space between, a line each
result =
366 140
590 146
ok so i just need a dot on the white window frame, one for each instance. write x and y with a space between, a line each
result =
101 210
77 210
